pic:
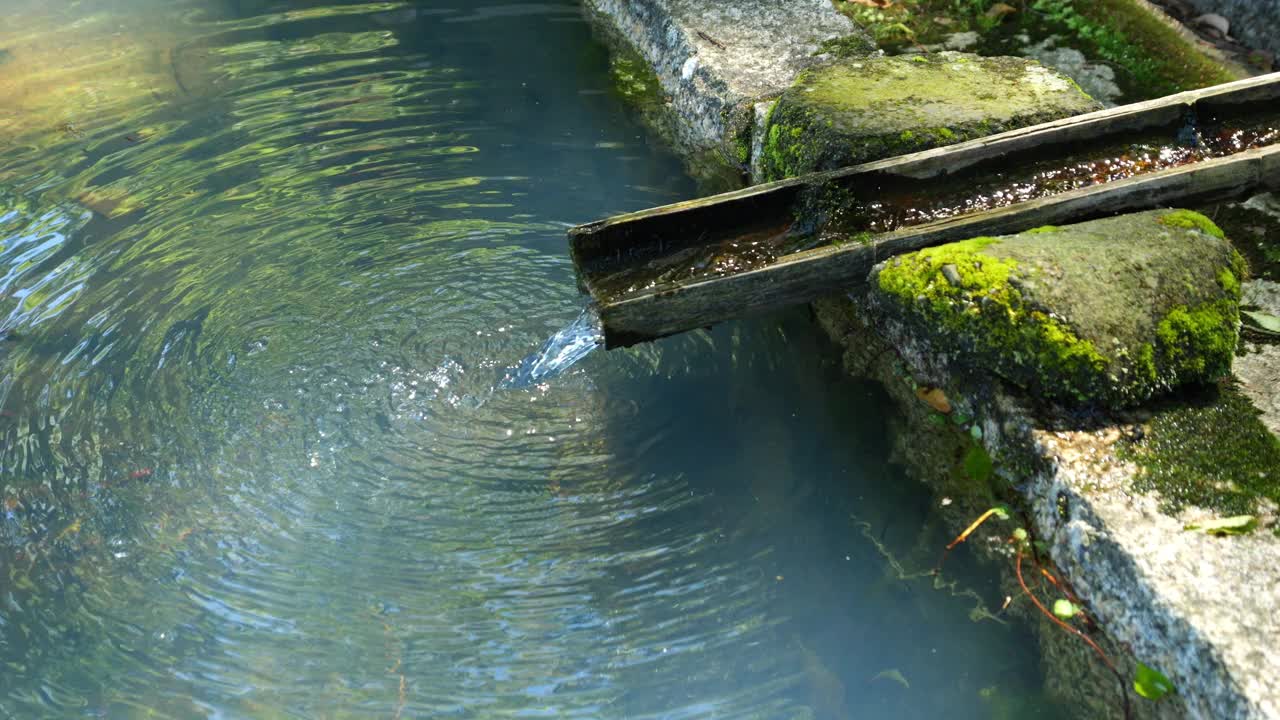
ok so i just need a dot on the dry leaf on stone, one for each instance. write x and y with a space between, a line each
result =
935 398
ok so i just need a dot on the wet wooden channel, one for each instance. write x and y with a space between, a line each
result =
678 267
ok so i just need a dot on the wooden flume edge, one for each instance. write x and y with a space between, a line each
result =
807 275
950 158
801 277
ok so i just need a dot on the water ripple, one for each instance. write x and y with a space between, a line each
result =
263 266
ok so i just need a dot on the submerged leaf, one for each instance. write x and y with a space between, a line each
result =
893 674
1235 525
1151 684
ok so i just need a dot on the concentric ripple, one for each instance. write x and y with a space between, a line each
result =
263 268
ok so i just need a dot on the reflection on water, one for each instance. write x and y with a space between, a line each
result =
261 266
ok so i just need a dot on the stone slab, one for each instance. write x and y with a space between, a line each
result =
856 110
1258 367
1111 311
1203 609
715 59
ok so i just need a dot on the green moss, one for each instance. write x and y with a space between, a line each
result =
1211 451
986 314
1104 313
1125 34
1192 220
742 147
1199 342
1043 229
787 152
854 45
1228 281
856 111
858 238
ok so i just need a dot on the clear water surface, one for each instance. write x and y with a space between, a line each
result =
263 268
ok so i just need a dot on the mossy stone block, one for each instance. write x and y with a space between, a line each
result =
1109 312
862 109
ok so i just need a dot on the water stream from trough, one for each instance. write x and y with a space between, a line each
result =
268 448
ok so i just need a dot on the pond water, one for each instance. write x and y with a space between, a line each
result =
264 267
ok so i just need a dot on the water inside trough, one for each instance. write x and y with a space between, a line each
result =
268 449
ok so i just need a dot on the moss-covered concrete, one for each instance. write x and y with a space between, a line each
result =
1210 451
1109 312
858 110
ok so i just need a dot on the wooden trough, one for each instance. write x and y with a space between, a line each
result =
626 262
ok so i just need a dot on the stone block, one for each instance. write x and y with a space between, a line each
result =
1110 312
856 110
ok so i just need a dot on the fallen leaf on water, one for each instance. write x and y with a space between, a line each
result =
136 474
893 674
935 398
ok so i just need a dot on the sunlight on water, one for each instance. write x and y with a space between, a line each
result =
261 264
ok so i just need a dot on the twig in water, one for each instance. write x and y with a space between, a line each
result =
1124 690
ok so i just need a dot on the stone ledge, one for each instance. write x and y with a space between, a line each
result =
1204 610
716 59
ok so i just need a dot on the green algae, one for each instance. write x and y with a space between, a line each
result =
1210 450
633 79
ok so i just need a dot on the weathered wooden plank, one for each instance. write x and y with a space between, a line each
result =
803 276
633 237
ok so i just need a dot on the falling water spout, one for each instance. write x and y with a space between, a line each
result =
559 352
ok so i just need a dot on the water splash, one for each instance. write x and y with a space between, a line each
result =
559 352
